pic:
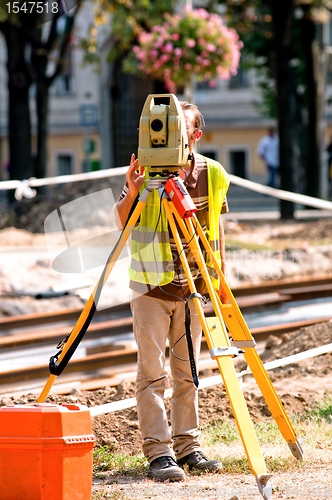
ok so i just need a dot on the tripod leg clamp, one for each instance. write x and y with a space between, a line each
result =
216 352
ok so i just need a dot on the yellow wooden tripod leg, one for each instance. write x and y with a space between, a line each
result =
241 334
221 350
84 316
223 354
273 402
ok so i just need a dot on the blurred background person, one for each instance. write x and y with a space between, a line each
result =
329 164
268 150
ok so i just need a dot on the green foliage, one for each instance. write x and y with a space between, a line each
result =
3 11
112 495
105 460
323 412
282 464
226 432
232 465
127 19
220 431
254 23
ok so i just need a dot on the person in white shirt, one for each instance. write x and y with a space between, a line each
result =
268 150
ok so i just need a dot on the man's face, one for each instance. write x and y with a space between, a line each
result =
193 133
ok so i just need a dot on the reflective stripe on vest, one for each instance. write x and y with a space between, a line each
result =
152 259
151 255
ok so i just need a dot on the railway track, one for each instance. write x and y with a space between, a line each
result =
107 353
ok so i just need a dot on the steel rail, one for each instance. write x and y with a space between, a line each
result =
319 285
12 329
108 327
17 332
115 360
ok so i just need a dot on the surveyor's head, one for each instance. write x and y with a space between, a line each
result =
194 122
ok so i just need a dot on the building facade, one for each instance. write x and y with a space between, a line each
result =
94 116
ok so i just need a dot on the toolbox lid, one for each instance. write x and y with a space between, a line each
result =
44 420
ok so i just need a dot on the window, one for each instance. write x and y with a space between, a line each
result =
64 82
210 153
91 165
64 164
240 80
237 160
208 84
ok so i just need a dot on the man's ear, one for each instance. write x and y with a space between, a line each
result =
198 135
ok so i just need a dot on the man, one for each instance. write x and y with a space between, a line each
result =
158 309
268 150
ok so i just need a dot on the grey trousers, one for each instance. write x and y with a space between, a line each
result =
155 321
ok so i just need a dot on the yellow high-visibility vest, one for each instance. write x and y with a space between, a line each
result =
151 256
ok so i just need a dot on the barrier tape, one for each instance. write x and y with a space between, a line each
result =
282 195
24 187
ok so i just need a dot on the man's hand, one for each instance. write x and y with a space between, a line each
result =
134 176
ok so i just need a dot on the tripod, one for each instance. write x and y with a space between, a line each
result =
226 333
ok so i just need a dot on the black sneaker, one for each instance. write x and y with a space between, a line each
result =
196 460
164 468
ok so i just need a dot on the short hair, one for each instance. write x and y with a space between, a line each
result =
199 119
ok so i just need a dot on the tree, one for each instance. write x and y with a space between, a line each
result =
19 81
280 36
55 46
122 21
29 52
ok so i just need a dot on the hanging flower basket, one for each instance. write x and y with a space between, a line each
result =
194 43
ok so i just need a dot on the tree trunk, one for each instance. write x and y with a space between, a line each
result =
42 132
314 100
19 123
282 14
42 91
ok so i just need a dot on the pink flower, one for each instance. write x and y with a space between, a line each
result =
210 47
153 54
168 47
164 58
212 51
191 43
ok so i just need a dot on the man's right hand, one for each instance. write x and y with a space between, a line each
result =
135 176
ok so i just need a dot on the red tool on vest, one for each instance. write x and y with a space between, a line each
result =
180 197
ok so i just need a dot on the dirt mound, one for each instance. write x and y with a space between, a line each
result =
30 214
312 230
120 430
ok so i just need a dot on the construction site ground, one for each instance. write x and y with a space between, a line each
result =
257 251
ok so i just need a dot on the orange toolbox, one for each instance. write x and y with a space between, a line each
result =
46 452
